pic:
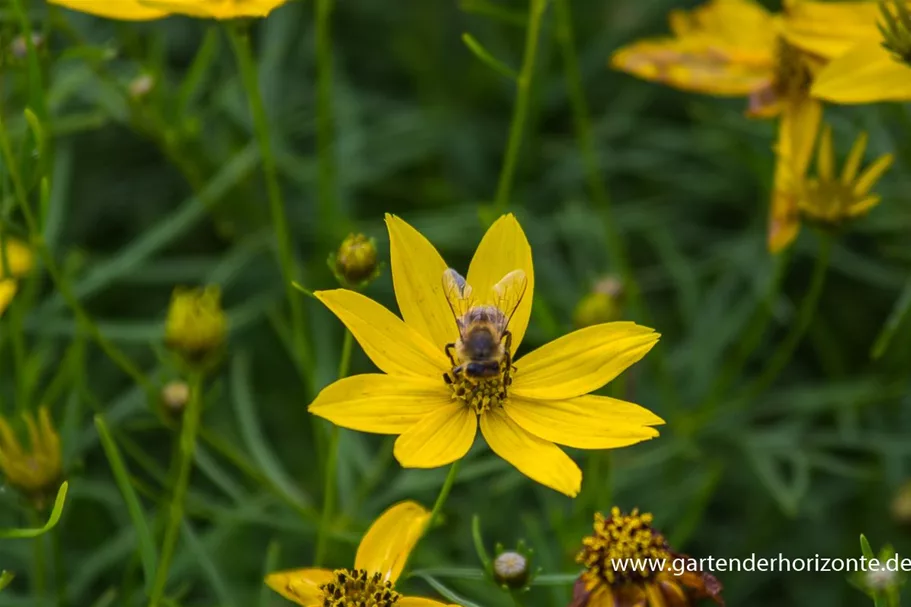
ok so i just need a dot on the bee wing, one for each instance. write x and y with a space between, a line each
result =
508 294
459 295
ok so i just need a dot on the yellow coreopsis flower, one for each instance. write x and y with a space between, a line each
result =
629 563
216 9
379 562
36 471
522 409
126 10
869 59
16 260
736 48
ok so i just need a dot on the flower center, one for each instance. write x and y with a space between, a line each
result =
623 548
357 588
792 75
827 200
480 393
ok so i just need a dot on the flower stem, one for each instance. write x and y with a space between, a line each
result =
788 345
39 582
444 493
329 475
186 448
520 108
324 113
240 42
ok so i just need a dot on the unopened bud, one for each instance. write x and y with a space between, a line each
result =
141 86
196 327
603 304
355 263
901 504
174 397
19 46
511 569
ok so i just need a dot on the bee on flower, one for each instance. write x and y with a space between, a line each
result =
629 563
449 365
736 48
380 559
35 469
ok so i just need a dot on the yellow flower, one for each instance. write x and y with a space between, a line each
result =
436 414
867 66
16 260
196 325
36 471
127 10
380 560
831 199
656 576
737 48
216 9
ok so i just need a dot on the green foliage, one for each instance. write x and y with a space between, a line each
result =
128 193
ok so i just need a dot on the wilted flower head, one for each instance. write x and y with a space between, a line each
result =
603 304
196 325
355 262
16 260
378 564
646 578
36 469
216 9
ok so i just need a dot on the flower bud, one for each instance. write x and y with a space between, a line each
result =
196 326
35 469
141 86
19 46
603 304
511 569
901 504
355 263
174 397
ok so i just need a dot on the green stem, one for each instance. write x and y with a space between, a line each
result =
186 448
324 114
520 109
40 579
240 42
329 475
59 567
444 493
788 345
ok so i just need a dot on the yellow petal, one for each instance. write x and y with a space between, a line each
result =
9 444
866 73
386 545
438 439
863 205
19 258
742 24
825 155
697 65
217 9
582 361
300 586
872 174
538 459
829 29
417 276
503 249
586 422
383 404
127 10
8 290
415 601
852 164
797 129
392 345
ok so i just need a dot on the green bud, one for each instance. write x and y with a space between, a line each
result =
355 263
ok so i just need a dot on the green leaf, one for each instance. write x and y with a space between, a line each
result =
5 578
555 579
51 522
447 593
484 55
479 543
147 552
865 547
896 316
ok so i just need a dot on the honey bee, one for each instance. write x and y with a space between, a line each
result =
484 346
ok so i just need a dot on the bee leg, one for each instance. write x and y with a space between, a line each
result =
448 350
507 359
447 379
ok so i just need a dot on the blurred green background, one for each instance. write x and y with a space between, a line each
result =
160 188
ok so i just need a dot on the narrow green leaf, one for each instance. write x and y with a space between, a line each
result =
5 578
896 316
865 547
273 552
484 55
51 522
555 579
479 542
447 593
455 573
147 551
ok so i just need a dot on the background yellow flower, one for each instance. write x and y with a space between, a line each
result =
216 9
127 10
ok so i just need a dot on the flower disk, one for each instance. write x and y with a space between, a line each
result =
621 537
357 588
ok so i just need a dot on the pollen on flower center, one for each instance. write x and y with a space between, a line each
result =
617 539
357 588
481 394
